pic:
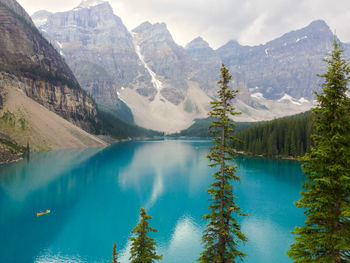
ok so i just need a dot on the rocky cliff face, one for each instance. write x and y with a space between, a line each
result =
98 48
160 80
165 58
28 61
71 104
206 64
286 65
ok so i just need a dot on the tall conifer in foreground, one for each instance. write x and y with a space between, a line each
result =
222 234
325 237
143 248
115 254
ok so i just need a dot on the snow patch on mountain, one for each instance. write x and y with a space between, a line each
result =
157 84
267 52
59 44
257 95
298 39
289 99
303 100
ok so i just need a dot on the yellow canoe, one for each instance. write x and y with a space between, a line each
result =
43 213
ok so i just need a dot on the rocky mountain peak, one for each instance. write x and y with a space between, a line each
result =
90 3
158 32
319 24
40 17
317 30
198 43
15 7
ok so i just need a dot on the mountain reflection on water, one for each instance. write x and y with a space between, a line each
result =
95 196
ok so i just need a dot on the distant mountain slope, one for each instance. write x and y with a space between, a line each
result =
40 99
27 122
167 86
113 64
116 127
41 72
98 48
286 65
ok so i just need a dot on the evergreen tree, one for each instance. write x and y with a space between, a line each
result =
115 254
325 237
143 248
222 234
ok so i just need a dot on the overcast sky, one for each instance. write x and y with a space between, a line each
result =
251 22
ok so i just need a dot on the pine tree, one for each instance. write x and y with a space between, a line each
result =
143 248
115 254
222 234
325 237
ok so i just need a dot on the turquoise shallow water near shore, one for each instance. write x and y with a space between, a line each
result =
95 194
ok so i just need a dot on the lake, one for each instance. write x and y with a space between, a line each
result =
95 195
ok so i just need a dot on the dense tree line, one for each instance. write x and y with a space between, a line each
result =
325 235
113 125
288 136
200 128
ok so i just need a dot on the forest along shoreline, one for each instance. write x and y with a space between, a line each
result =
280 157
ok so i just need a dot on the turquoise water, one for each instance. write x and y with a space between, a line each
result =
95 194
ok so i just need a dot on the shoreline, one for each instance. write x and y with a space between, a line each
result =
7 157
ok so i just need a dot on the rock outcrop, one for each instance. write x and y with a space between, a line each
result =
98 48
165 58
71 104
29 61
286 65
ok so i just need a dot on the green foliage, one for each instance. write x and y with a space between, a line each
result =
288 136
14 148
9 118
325 237
115 254
22 122
200 128
143 248
123 112
222 234
114 126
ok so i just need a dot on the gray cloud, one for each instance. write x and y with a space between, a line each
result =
251 22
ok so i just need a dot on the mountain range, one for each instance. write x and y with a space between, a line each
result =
166 85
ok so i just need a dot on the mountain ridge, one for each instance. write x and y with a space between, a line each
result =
32 73
275 79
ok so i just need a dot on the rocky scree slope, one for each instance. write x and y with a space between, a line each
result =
32 73
46 78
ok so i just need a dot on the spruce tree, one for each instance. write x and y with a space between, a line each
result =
222 234
325 237
143 248
115 254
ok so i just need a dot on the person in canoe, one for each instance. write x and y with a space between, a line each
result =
43 213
